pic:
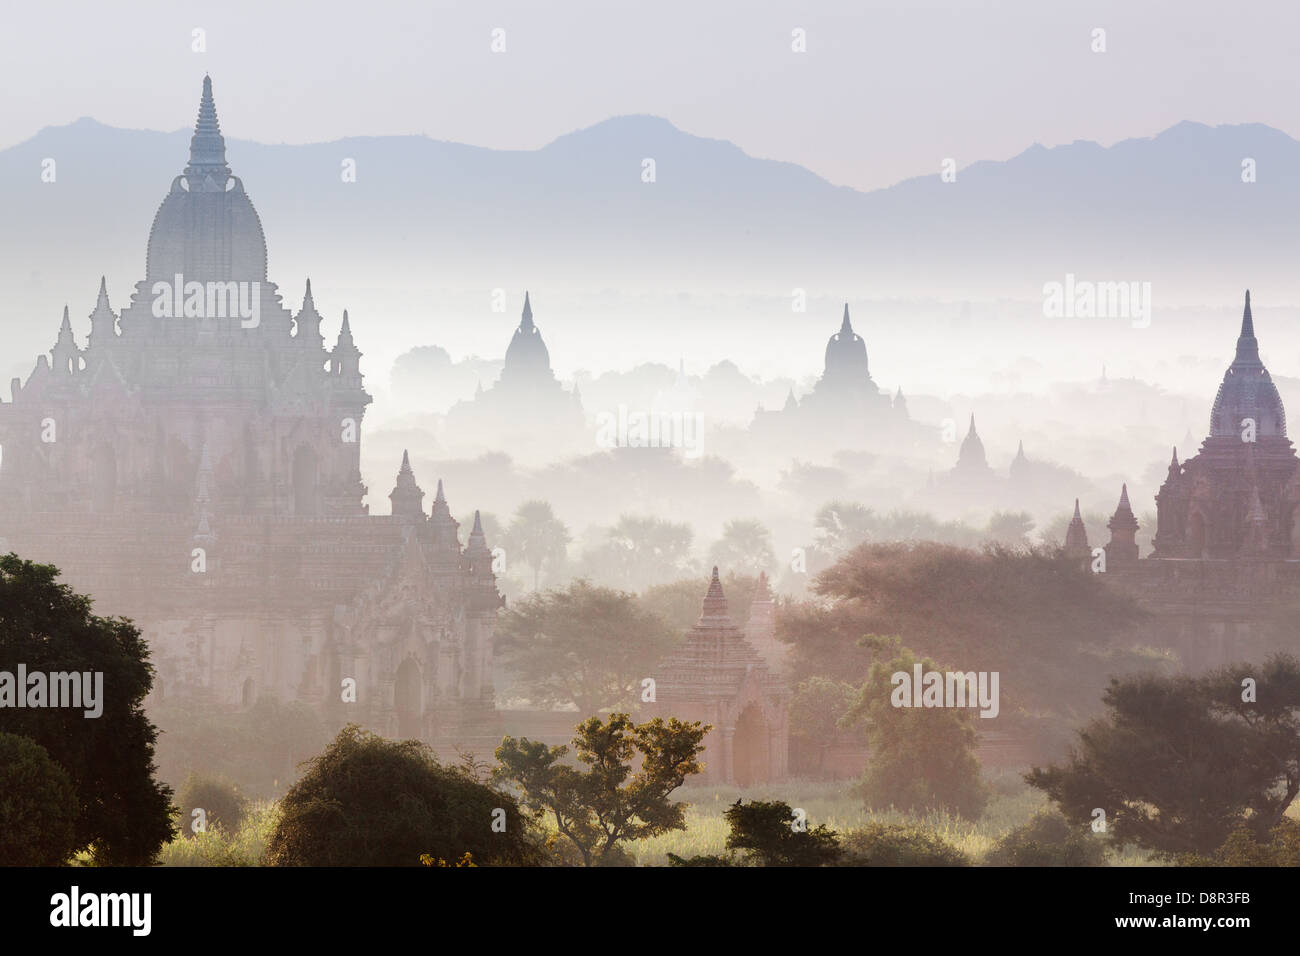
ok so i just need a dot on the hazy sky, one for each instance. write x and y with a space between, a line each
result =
885 90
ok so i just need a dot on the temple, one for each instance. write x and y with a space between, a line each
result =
526 410
198 470
845 409
1225 561
720 678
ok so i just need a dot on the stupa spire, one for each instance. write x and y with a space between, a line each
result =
406 496
526 323
1076 535
845 327
1247 344
207 145
714 611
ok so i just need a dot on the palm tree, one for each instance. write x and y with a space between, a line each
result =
744 548
538 537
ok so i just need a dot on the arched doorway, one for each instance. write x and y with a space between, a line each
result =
408 698
304 481
749 748
103 469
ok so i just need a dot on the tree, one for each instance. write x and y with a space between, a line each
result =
124 813
744 548
586 645
922 758
1049 626
841 525
640 552
767 833
1179 762
599 808
818 706
1010 528
537 538
367 801
38 806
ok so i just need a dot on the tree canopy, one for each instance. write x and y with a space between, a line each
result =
607 804
586 645
1178 763
124 814
368 801
1051 628
38 806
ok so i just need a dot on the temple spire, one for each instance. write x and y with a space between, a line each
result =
207 145
527 322
845 327
1076 536
1247 344
1122 548
714 611
406 496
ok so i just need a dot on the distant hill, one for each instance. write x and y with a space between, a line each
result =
428 215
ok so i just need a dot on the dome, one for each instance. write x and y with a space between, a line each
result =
206 228
846 356
1247 390
526 357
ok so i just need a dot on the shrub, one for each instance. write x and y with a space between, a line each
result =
894 844
1048 840
1280 848
367 801
222 803
764 831
38 806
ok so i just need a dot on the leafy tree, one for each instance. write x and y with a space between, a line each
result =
219 799
586 645
745 547
38 806
841 525
640 552
537 537
607 804
1048 839
367 801
894 844
818 706
1009 528
1051 628
124 813
1179 762
765 832
922 758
